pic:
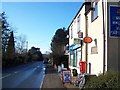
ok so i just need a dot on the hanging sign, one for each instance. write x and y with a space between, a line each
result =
87 39
114 21
80 34
77 40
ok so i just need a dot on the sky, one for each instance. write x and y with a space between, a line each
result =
38 21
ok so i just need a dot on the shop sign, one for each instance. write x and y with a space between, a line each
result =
114 22
77 40
80 34
87 39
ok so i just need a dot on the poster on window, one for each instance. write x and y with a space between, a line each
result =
66 77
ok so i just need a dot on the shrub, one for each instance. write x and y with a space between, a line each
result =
109 80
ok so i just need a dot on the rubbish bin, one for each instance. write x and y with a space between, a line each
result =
74 71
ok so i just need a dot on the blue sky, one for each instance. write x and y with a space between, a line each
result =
38 21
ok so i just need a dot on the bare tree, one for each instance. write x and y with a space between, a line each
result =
21 44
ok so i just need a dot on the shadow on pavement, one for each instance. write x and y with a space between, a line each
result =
50 69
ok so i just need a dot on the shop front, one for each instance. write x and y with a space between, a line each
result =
75 57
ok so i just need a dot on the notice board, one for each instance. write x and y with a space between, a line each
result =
114 21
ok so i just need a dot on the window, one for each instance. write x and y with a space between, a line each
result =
94 11
74 59
71 59
78 23
71 31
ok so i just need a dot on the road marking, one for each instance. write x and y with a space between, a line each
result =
35 68
5 76
42 81
16 72
38 66
44 68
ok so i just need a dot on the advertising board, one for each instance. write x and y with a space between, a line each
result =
66 76
114 21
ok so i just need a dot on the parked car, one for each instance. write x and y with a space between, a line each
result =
45 61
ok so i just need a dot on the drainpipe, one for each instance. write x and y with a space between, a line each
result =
104 65
86 18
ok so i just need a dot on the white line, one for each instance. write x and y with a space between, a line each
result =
38 66
42 81
35 68
16 72
5 76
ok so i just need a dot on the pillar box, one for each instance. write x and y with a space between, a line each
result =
82 67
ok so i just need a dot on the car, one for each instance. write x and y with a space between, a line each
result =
45 61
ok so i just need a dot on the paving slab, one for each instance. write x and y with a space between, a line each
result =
52 80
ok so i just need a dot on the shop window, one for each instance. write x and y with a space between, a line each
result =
71 59
75 59
94 11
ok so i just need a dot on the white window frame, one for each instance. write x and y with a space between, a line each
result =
94 13
78 23
71 31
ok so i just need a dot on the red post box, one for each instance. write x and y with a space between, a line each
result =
82 66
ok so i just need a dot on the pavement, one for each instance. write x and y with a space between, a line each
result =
52 80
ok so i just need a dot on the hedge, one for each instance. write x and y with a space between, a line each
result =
109 80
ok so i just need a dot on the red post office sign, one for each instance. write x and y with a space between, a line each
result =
87 39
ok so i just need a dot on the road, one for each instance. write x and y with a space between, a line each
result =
24 76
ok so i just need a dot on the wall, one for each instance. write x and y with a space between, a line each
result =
95 31
113 47
75 35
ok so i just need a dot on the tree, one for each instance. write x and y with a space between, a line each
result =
59 40
5 34
35 54
10 52
21 44
5 28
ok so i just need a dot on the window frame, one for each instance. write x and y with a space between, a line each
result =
94 12
71 31
78 23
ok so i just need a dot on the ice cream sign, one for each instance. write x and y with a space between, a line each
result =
114 21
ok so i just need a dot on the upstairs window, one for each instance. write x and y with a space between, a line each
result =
78 23
71 31
94 11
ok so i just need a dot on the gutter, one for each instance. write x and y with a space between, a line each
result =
104 65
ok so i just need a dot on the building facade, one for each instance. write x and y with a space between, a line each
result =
75 40
93 20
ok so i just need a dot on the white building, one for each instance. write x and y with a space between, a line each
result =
75 43
93 20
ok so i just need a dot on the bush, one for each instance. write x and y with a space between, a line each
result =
109 80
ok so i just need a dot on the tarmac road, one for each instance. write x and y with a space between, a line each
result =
24 76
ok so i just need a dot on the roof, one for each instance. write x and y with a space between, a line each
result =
77 14
85 3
